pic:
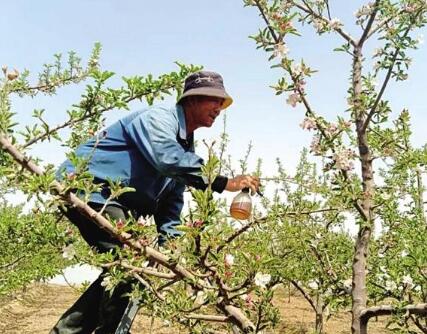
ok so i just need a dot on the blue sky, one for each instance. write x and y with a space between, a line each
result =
141 37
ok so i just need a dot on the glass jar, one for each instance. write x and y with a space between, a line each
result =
241 206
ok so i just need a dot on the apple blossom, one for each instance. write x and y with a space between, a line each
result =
107 282
293 99
309 123
228 260
364 10
404 253
315 145
410 8
390 286
297 69
335 23
120 224
141 221
262 280
331 129
313 285
319 25
348 285
68 252
407 281
343 159
280 50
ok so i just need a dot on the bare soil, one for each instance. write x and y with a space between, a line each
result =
36 310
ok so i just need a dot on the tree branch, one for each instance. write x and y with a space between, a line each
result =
418 309
365 34
238 317
304 293
310 11
207 317
384 85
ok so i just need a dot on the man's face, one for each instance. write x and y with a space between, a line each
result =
207 110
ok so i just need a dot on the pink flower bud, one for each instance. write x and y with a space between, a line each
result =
71 176
198 223
120 224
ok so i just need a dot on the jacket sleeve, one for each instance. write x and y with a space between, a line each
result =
154 132
168 213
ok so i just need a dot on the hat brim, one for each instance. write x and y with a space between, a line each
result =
207 91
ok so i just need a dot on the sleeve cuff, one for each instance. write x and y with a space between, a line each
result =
219 184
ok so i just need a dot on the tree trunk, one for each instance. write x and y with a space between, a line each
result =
319 315
359 295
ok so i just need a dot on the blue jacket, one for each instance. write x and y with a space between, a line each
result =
150 151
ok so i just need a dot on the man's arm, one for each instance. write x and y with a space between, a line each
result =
154 133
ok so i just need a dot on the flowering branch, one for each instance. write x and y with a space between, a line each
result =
384 85
340 31
369 25
149 286
92 112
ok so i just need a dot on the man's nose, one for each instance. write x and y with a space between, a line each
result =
217 111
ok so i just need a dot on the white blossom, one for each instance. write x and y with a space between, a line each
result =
293 99
407 281
296 69
348 285
404 253
262 280
420 39
343 159
309 123
364 10
229 260
335 23
315 145
244 296
107 282
390 285
313 285
331 129
69 252
318 25
280 50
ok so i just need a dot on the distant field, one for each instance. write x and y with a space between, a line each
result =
37 310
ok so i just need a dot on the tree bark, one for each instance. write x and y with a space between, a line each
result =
359 294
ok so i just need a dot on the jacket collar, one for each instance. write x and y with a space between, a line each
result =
181 120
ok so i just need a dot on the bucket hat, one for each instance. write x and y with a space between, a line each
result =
206 83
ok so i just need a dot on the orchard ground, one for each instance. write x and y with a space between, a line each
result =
37 309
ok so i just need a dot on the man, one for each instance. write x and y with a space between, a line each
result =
151 151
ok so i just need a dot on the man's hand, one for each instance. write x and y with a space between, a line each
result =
243 181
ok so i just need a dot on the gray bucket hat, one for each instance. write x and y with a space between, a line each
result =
206 83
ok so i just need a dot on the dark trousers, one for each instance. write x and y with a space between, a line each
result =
96 310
